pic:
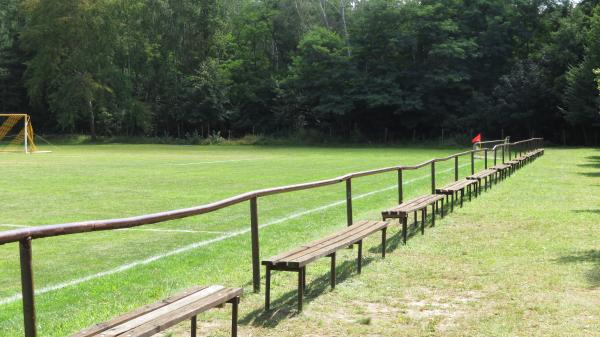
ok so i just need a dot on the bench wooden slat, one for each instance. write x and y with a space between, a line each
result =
167 309
414 204
456 186
307 253
324 250
482 174
95 329
499 167
165 321
285 255
329 240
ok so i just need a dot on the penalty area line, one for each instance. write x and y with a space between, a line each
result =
211 162
195 245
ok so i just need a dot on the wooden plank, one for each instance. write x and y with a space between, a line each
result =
414 204
149 316
95 329
284 255
163 322
331 240
329 249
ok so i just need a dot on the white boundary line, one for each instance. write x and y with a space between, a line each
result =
199 244
16 226
212 162
171 230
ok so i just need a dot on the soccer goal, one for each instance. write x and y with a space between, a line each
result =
488 144
16 133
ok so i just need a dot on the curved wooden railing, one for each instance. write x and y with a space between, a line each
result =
24 236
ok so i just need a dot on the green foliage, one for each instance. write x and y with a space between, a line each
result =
165 68
582 102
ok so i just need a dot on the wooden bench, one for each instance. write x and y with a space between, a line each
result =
401 211
485 175
456 187
296 259
515 164
504 169
157 317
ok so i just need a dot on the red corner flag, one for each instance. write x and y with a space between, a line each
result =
476 139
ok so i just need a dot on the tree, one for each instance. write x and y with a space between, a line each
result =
581 94
321 76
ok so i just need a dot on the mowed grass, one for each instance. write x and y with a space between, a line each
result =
523 259
77 183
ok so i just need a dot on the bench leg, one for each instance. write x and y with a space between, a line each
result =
404 228
300 289
234 316
304 278
433 214
442 209
268 289
415 218
359 260
423 216
470 191
332 281
452 203
194 326
462 196
383 239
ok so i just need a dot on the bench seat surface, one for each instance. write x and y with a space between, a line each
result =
482 174
307 253
455 186
503 166
413 205
159 316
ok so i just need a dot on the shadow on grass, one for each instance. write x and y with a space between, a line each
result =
589 210
594 163
285 306
588 256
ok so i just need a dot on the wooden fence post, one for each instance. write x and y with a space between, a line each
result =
495 155
27 287
472 162
433 177
255 244
456 168
400 183
485 151
349 202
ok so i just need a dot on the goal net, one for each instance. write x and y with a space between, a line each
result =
16 133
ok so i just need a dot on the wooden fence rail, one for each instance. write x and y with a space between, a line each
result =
25 236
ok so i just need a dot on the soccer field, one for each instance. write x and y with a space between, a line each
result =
86 278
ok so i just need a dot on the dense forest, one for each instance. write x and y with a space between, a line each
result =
377 70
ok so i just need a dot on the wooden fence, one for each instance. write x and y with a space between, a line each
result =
25 236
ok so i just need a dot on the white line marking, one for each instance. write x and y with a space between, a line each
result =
145 229
171 230
195 245
210 162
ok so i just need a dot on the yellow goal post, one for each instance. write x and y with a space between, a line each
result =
16 133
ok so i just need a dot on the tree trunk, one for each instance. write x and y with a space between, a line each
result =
92 120
324 14
346 35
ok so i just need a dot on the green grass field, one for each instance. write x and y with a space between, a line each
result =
523 259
